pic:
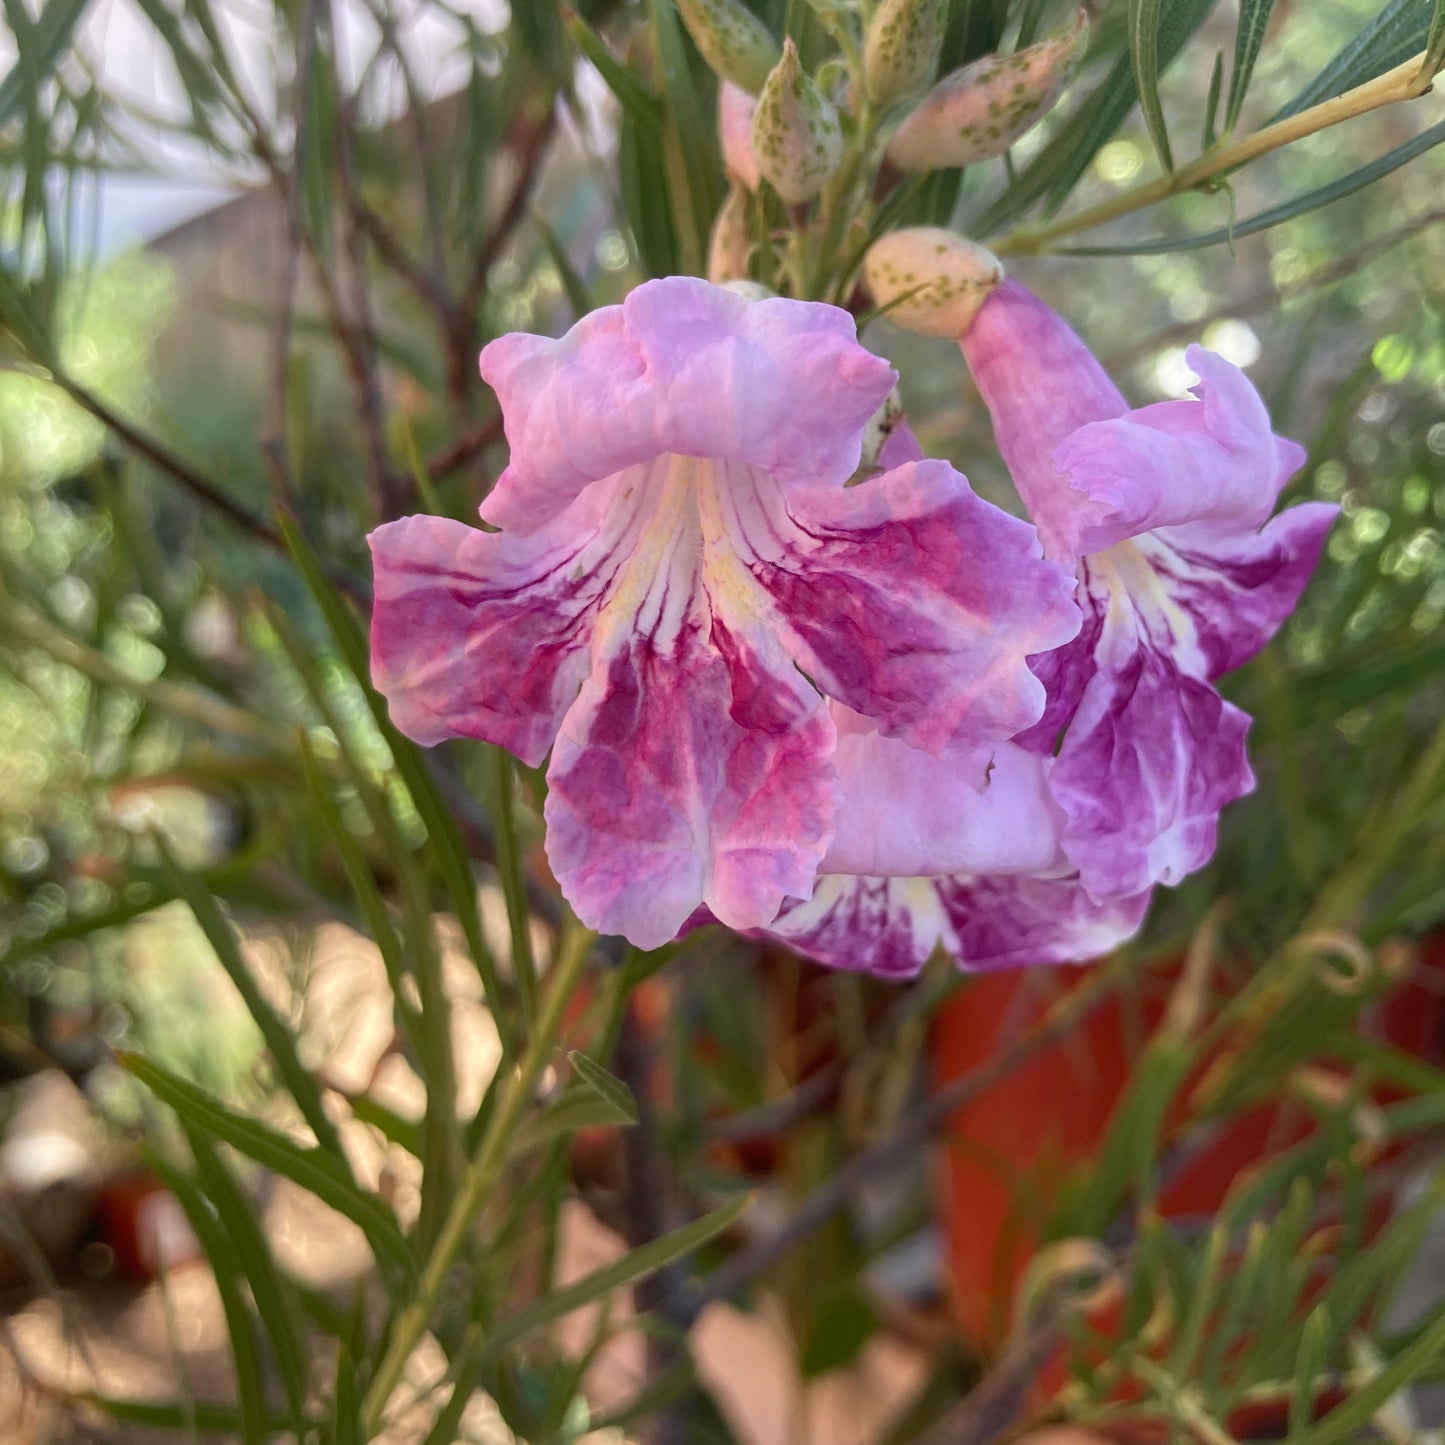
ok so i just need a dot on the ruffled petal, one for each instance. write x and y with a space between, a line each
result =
1212 461
1153 752
683 367
903 813
1239 589
891 926
1018 922
1040 384
485 635
692 769
909 599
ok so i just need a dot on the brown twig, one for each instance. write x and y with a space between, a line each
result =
910 1134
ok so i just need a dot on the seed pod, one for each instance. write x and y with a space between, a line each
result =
900 51
933 281
735 109
727 251
981 110
797 139
734 42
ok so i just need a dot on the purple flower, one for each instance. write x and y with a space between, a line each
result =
1163 512
680 578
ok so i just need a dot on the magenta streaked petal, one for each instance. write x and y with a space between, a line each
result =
484 635
1019 922
1212 461
1153 752
903 813
884 926
1041 384
691 771
890 926
686 368
1239 588
910 599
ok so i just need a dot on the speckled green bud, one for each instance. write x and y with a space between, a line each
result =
900 51
797 139
933 281
733 41
981 110
727 251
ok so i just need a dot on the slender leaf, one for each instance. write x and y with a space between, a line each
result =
240 1322
1211 105
637 1264
39 46
1145 18
579 298
1398 30
1288 210
1248 37
209 1416
280 1042
1435 41
608 1087
277 1306
636 99
313 1170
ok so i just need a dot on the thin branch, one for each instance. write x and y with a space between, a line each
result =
904 1141
273 442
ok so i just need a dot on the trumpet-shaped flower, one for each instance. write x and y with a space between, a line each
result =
680 578
1163 512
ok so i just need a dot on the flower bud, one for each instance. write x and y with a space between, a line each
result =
734 42
900 51
932 281
727 250
981 110
797 139
735 109
749 290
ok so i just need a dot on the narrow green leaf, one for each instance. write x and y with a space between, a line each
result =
1420 1357
1288 210
205 1415
240 1322
608 1087
278 1037
640 161
39 46
1145 17
346 1402
1398 30
576 1108
277 1306
637 1264
579 298
1309 1360
1435 41
1248 37
313 1170
1211 104
636 99
441 825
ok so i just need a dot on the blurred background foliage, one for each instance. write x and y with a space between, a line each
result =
313 987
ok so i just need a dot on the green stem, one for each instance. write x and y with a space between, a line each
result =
509 866
491 1155
1405 82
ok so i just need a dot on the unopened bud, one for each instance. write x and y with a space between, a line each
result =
900 51
931 281
735 109
981 110
797 139
734 42
749 290
727 251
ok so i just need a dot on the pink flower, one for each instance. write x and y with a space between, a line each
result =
1163 513
681 576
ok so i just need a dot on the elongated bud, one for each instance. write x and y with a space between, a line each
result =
900 51
797 140
733 41
981 110
735 109
932 281
727 251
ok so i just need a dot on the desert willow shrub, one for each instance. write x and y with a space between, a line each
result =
735 671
